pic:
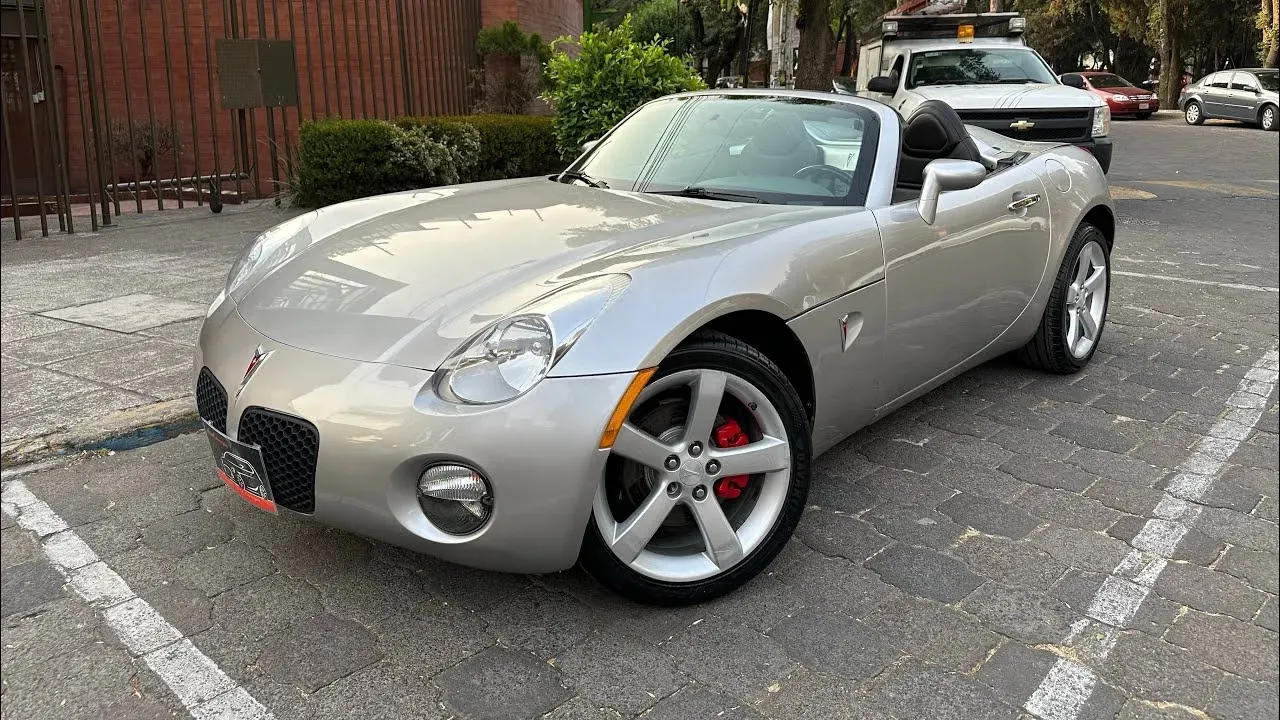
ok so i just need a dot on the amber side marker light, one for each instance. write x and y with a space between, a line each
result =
623 409
964 33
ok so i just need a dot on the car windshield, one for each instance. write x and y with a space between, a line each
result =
1269 81
1108 81
973 66
739 148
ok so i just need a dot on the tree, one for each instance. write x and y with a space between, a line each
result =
817 46
1269 23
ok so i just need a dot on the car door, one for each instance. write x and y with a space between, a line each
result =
1216 102
956 285
1244 96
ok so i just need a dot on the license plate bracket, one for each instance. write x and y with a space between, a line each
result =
241 468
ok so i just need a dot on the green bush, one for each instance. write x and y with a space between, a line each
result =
511 146
612 75
341 160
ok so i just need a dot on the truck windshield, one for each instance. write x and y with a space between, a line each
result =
977 66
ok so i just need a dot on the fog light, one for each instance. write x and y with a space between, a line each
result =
456 499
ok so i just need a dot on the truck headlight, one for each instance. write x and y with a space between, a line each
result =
1101 121
511 356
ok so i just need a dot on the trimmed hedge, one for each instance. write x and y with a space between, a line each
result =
341 160
511 146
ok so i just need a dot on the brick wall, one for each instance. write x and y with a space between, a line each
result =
355 58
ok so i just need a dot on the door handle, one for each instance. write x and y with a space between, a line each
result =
1024 202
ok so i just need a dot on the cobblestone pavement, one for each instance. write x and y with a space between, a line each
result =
1013 544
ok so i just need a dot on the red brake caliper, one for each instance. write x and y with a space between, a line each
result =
730 435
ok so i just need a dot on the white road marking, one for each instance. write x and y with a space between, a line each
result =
202 687
1232 286
1066 688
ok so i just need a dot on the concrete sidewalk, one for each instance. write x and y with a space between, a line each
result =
98 327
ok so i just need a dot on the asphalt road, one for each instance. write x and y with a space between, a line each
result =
1096 546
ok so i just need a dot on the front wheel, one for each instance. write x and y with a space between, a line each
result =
1077 312
1267 118
1144 115
706 480
1193 113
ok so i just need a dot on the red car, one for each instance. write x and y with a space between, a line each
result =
1122 96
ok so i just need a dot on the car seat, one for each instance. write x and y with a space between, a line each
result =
933 131
779 146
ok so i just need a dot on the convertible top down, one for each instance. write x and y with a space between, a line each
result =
632 364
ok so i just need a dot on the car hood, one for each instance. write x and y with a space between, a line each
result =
1126 91
1000 97
405 278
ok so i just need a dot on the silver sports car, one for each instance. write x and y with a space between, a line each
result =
632 364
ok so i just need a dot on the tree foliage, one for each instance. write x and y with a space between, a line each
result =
611 76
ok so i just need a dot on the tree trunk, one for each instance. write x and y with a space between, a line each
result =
817 46
850 48
1170 60
996 6
1273 51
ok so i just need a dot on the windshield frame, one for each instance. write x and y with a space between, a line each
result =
860 184
1050 78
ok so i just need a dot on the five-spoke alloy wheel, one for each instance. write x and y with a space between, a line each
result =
1072 325
706 480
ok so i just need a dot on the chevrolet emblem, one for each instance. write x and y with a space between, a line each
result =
1022 125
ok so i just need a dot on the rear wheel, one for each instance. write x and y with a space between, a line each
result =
1267 118
1077 312
707 478
1193 113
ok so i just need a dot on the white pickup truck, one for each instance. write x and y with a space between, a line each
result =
978 64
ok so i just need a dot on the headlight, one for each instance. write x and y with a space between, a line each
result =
508 358
263 251
1101 121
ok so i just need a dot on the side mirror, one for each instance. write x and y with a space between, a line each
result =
586 146
882 84
946 175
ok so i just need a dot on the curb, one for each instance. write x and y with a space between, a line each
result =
121 430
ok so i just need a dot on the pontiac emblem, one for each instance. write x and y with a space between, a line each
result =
259 356
1022 125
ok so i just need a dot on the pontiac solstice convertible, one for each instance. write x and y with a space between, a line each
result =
633 363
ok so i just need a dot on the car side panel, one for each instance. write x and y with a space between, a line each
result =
956 285
844 339
1074 186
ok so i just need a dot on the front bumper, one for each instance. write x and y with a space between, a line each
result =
380 426
1100 147
1133 107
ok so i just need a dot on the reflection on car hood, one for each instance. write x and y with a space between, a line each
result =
998 97
406 278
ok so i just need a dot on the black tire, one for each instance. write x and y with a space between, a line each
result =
1199 113
1267 119
1048 350
1143 116
714 350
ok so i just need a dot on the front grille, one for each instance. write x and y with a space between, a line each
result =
1050 125
290 447
211 400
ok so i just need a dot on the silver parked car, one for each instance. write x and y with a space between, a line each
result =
632 364
1249 95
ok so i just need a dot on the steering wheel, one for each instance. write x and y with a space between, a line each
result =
835 177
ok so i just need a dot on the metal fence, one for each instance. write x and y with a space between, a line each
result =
119 106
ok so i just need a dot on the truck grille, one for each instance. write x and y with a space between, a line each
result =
1048 125
290 447
211 400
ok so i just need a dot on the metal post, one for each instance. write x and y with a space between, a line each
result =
8 154
57 128
191 99
85 140
31 117
173 108
151 110
128 104
215 189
